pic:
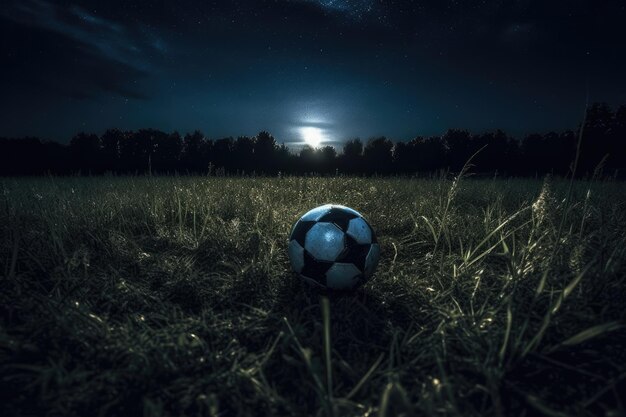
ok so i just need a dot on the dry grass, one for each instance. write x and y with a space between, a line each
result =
173 296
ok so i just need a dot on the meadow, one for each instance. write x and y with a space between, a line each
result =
172 296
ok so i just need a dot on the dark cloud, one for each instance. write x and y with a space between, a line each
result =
70 51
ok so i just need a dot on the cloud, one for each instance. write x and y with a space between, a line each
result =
98 53
108 38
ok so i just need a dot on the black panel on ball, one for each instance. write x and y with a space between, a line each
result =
355 253
339 217
299 231
314 269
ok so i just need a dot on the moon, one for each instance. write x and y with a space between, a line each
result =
312 136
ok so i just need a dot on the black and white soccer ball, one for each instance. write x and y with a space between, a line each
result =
333 247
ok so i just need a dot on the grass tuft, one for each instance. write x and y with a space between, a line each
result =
174 296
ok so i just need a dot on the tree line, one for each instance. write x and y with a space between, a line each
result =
150 151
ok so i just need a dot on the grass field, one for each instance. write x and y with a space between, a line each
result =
174 296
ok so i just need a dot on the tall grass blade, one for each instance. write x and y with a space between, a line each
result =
366 377
592 332
553 310
507 333
327 346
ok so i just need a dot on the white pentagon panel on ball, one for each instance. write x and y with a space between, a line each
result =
342 276
372 259
296 256
315 214
324 241
360 231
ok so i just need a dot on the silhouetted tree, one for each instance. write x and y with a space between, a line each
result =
351 158
22 156
145 144
430 153
153 151
85 151
285 160
532 149
327 156
459 148
110 142
403 158
264 152
195 152
167 150
306 159
377 155
56 159
243 153
495 147
222 155
596 137
419 155
618 141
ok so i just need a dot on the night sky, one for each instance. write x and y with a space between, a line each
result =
324 70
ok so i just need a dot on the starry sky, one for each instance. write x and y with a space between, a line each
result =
327 69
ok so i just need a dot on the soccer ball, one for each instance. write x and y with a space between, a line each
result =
333 247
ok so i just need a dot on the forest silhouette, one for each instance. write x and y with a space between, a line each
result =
150 151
